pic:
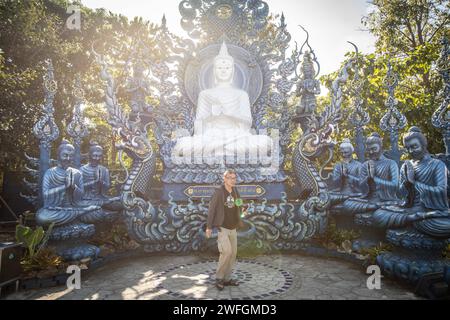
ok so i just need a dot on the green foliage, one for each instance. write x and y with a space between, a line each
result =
373 252
403 25
254 248
408 33
46 261
114 238
336 237
37 257
33 240
446 252
33 31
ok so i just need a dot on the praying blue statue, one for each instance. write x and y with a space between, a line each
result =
378 181
379 175
423 186
62 190
346 174
96 181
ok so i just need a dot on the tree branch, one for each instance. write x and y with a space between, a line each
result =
408 26
437 29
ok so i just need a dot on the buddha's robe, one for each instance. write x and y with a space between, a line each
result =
222 127
95 189
382 189
384 186
346 184
63 205
426 202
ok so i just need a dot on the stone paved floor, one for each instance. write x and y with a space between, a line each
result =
192 277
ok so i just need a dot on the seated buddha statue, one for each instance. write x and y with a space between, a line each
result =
423 187
63 191
346 174
223 122
96 181
378 181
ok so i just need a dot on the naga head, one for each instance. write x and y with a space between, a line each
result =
133 142
317 140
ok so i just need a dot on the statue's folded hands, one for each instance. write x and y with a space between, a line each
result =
423 185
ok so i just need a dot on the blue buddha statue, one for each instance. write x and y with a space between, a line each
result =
346 174
423 186
62 190
96 182
376 185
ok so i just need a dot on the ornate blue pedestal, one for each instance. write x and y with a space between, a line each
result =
69 242
414 256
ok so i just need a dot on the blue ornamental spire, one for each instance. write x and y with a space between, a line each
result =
46 129
77 128
393 120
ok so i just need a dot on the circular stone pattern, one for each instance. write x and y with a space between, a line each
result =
196 281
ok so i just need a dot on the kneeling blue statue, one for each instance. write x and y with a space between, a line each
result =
73 217
423 186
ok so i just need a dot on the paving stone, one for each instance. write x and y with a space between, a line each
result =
193 277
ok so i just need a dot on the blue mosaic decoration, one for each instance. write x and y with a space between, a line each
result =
242 274
414 256
179 228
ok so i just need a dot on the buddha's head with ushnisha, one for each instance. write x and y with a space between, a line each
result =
223 66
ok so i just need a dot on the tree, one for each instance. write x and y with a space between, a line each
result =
408 35
33 31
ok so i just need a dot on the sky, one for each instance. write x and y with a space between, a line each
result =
331 23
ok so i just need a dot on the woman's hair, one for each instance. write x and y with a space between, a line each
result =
415 132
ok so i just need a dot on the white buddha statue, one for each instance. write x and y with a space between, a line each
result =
223 123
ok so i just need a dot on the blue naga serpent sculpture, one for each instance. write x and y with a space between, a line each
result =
316 142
